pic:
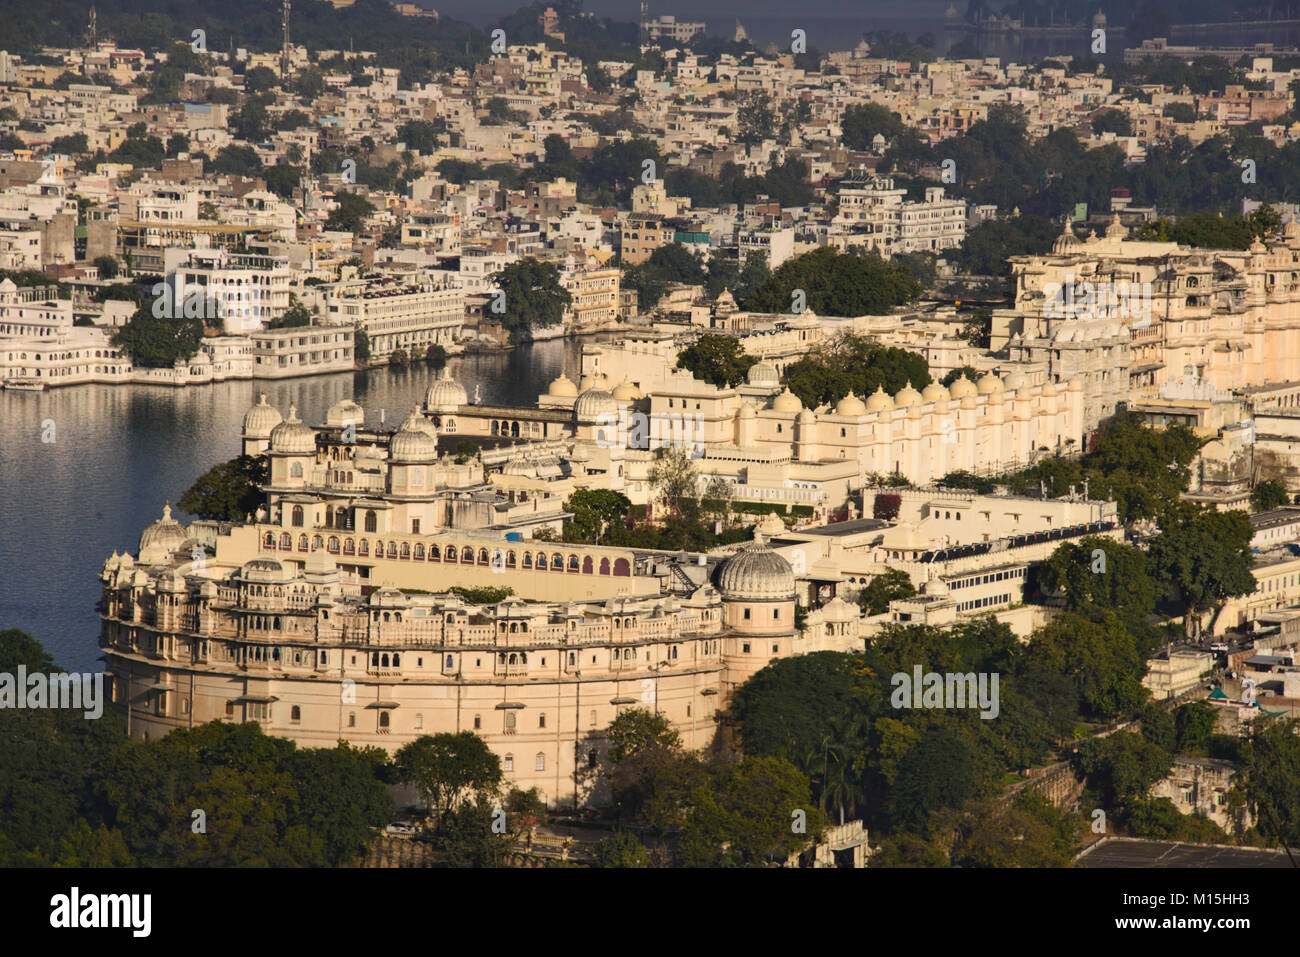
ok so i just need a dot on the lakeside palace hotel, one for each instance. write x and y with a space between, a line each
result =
326 615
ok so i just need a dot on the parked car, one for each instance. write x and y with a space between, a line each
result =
399 827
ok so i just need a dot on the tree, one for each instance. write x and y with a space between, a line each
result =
638 729
1204 557
1112 121
398 357
107 267
852 363
466 450
1100 572
1120 769
361 344
1268 494
296 315
229 491
1098 655
1194 723
595 510
673 477
755 121
450 769
533 296
435 356
282 180
621 849
748 818
156 341
862 123
721 360
835 284
350 214
716 500
890 585
485 595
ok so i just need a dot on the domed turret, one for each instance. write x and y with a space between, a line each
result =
879 401
935 392
293 436
907 397
1067 242
990 385
594 404
1116 229
625 391
787 401
962 388
563 386
756 573
1014 381
159 540
261 419
850 405
412 441
445 394
341 413
763 374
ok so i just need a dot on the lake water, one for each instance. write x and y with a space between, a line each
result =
119 451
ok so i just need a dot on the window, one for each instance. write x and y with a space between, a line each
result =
745 648
372 521
776 612
352 720
383 719
540 762
295 714
509 763
541 721
478 722
746 614
419 722
297 516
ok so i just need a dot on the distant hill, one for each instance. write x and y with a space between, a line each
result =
253 24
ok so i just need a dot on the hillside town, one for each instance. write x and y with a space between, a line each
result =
890 360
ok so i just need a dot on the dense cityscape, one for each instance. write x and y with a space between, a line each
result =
584 441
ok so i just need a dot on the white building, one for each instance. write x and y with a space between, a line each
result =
399 315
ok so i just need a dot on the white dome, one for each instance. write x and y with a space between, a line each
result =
962 387
594 404
787 401
907 397
850 405
879 401
412 442
445 394
160 539
763 374
935 392
293 436
625 391
1015 381
756 573
990 385
261 419
341 413
563 386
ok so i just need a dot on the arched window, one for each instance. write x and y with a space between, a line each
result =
269 540
364 549
482 556
573 563
316 542
392 549
296 521
450 661
419 552
514 429
349 547
557 562
621 567
540 761
286 541
604 566
406 551
528 559
451 553
510 559
295 470
586 565
467 556
435 553
333 545
295 714
372 521
302 543
383 719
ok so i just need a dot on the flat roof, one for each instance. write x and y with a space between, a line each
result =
846 528
1133 853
